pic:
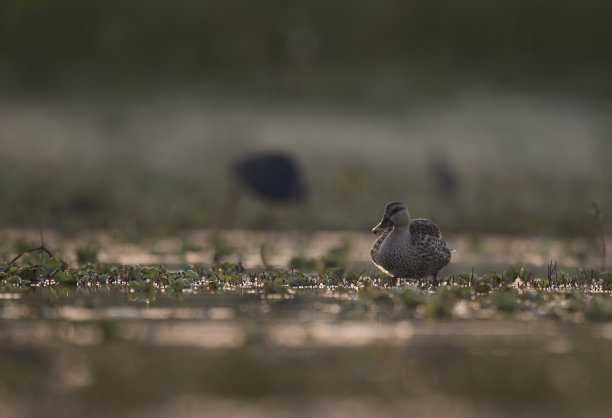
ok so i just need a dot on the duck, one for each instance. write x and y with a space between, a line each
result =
408 248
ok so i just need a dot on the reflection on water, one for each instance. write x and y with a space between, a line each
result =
83 351
316 318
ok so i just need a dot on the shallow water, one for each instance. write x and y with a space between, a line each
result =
112 351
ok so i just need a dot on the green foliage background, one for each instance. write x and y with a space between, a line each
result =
90 152
116 41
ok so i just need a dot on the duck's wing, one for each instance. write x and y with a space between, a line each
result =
425 227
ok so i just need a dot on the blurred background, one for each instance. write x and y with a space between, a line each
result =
483 116
166 120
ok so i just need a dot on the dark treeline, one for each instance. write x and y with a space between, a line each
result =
114 40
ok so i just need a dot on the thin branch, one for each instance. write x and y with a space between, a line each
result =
41 249
42 244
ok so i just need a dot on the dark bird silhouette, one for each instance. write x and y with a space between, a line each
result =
274 177
445 177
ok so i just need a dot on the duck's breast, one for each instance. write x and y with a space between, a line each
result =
378 245
396 253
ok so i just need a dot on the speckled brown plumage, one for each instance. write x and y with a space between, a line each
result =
409 248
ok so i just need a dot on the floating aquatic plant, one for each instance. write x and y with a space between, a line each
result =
583 294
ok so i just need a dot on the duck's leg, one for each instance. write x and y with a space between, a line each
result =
435 280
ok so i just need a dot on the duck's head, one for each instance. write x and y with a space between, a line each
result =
396 215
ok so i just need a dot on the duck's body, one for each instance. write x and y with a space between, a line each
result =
408 248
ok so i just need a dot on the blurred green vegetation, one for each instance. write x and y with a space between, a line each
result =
135 199
105 165
289 44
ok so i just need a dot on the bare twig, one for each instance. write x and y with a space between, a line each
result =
42 244
42 249
597 213
552 268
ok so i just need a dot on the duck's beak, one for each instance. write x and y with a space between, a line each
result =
384 224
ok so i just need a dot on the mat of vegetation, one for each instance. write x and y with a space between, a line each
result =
583 295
